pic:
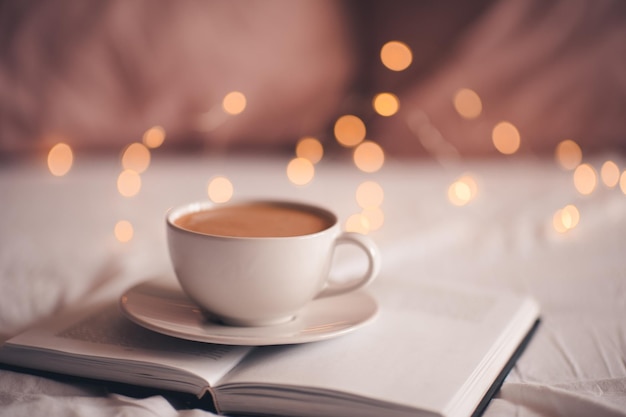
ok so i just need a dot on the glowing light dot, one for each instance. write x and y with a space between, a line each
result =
622 182
369 194
467 103
154 137
566 219
610 174
136 156
311 149
506 138
60 159
396 56
349 130
568 154
357 223
459 193
386 104
300 171
123 231
234 103
462 191
128 183
368 157
375 217
585 179
220 189
571 216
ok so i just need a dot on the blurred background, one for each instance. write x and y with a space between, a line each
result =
441 79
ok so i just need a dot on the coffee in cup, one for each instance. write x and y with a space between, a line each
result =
256 219
259 262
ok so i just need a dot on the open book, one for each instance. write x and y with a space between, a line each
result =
432 350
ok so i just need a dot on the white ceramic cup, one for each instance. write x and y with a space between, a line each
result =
258 281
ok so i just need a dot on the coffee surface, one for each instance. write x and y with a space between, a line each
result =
255 220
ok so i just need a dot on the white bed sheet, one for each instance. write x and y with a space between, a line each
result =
57 246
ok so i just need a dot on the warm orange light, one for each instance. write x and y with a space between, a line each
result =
506 138
154 137
60 159
349 130
568 154
128 183
357 223
234 103
369 194
386 104
610 174
396 55
136 156
566 219
300 171
459 193
467 103
368 156
570 216
585 179
463 190
622 182
375 217
123 231
310 148
220 189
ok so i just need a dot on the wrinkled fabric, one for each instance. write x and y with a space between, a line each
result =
57 247
35 396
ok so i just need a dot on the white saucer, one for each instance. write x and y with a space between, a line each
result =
167 310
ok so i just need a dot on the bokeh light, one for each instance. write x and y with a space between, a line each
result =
396 55
310 148
369 156
566 219
300 171
568 154
463 190
622 182
467 103
136 156
234 103
128 183
386 104
60 159
220 189
610 174
585 179
123 231
349 130
506 138
375 217
357 223
154 137
369 194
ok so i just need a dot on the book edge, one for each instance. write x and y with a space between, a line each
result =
497 383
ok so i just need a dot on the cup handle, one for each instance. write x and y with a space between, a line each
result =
373 257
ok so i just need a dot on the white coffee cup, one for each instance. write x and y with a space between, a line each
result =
266 279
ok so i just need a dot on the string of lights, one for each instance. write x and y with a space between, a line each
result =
350 132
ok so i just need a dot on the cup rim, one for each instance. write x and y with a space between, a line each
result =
174 213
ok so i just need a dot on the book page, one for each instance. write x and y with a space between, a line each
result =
427 343
103 334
